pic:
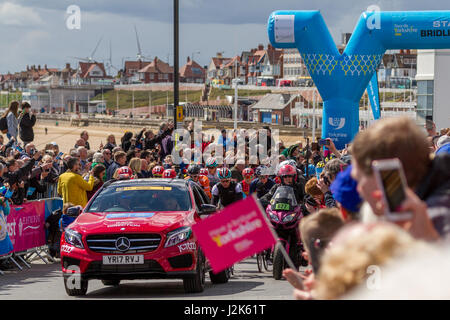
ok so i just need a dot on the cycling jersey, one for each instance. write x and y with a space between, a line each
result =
226 195
203 181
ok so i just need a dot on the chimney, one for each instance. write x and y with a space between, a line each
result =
155 61
261 47
219 54
188 59
28 68
39 67
68 66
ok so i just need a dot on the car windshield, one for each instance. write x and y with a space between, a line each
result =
141 199
284 198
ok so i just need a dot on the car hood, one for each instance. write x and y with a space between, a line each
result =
113 222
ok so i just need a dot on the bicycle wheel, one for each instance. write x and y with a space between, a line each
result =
259 261
267 259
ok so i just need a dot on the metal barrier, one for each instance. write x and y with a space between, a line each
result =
27 221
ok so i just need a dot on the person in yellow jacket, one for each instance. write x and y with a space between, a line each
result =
71 185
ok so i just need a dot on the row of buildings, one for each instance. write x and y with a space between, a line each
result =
261 66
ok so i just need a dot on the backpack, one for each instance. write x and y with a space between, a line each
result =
3 125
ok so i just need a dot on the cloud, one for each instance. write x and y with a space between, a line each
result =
12 14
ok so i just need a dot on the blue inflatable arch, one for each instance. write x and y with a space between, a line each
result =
342 78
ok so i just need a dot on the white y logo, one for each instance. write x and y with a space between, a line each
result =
336 122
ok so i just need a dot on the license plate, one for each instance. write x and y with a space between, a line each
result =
124 259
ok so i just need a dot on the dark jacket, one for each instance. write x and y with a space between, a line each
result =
298 191
260 188
111 169
434 189
26 124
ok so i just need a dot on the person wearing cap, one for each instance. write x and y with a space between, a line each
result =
346 195
26 123
443 145
71 185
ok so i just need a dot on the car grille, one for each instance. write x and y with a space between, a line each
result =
140 242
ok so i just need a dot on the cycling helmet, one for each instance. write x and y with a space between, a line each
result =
287 170
169 173
194 169
262 171
224 173
211 163
203 172
124 173
248 172
158 171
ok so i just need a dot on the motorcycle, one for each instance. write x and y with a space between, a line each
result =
285 214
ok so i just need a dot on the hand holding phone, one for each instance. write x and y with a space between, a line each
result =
392 183
324 142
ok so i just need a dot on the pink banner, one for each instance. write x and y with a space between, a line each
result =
237 232
26 225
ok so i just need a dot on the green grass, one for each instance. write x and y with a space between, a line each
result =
215 92
141 98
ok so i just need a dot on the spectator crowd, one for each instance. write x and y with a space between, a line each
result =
344 231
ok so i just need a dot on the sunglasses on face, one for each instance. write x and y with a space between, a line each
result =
225 181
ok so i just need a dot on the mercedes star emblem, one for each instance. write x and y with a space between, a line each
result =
123 244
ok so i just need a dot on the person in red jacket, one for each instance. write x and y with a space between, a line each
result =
248 175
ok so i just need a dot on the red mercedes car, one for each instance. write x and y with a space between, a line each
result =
138 229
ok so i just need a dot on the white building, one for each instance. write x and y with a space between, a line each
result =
433 94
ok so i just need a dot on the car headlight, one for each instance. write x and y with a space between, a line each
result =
178 235
274 217
73 238
289 217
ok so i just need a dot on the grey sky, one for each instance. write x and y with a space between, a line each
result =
35 32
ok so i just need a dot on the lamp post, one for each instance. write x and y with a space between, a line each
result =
175 60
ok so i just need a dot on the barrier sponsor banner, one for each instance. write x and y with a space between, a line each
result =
374 96
235 233
26 225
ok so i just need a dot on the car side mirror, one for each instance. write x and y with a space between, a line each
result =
206 209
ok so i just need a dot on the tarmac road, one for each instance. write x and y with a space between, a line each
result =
45 282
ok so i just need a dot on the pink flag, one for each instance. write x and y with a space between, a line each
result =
235 233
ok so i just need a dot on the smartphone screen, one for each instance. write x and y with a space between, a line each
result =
393 188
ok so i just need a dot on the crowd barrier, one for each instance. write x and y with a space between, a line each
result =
26 229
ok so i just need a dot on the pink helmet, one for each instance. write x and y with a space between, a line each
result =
287 170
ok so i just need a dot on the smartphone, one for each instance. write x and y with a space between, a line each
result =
324 142
392 182
58 157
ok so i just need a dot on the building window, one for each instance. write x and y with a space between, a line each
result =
425 89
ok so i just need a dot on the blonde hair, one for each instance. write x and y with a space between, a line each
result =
135 165
356 247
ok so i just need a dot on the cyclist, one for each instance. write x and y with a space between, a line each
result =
248 174
211 165
157 172
262 184
203 181
288 177
226 191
